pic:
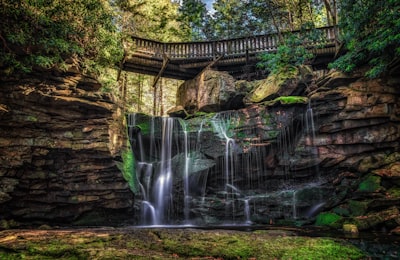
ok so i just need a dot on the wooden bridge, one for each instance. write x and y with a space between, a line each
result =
239 56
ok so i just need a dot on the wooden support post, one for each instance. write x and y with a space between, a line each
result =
121 65
212 63
164 66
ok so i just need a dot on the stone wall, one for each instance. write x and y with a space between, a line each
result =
59 139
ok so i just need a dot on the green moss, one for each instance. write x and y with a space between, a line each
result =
201 114
350 228
394 192
342 211
229 246
371 183
128 169
144 128
177 244
286 100
357 208
327 219
272 84
31 118
318 249
51 250
292 100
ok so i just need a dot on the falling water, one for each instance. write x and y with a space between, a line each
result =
147 209
247 212
223 125
186 195
294 206
179 185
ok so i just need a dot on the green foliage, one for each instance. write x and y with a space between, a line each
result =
231 18
40 33
153 19
292 52
193 15
371 33
327 219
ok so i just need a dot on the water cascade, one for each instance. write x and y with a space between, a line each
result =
227 168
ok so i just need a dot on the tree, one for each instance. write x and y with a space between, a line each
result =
371 33
231 19
44 33
153 19
193 16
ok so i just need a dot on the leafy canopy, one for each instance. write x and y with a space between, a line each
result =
293 51
371 32
46 33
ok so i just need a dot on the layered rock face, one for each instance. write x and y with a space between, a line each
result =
288 161
358 135
59 140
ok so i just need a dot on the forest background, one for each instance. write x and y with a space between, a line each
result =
38 35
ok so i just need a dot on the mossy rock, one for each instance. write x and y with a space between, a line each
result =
287 100
394 192
328 219
357 208
342 211
371 183
7 224
271 85
350 228
174 244
388 216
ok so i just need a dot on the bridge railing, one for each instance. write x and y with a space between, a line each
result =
230 47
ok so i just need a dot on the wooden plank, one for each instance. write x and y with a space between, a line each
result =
209 65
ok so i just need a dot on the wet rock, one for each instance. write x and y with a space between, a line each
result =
391 172
372 220
396 231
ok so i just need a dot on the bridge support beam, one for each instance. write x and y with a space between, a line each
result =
212 63
164 66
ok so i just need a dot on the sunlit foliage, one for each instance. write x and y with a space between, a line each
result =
49 33
371 33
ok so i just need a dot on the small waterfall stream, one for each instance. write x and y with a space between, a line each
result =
218 170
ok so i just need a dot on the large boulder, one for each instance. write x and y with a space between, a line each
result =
211 91
290 82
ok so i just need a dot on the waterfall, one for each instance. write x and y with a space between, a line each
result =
247 212
208 169
223 124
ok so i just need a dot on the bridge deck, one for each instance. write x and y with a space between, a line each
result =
238 56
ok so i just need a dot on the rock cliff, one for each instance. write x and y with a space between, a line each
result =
335 150
59 140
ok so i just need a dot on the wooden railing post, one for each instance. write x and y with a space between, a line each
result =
214 50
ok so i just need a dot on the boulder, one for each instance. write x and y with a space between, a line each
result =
211 91
291 82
